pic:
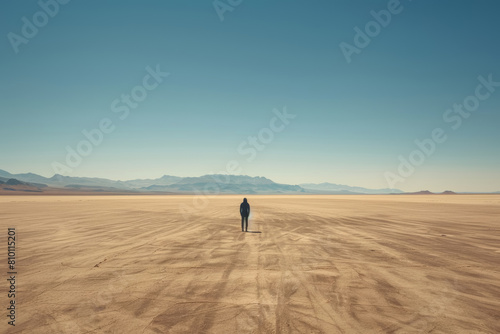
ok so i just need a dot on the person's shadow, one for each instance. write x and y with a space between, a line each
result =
253 231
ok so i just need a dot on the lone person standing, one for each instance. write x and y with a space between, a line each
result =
245 212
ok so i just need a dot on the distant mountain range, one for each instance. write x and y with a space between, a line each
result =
332 188
230 184
427 192
7 184
216 183
207 184
60 181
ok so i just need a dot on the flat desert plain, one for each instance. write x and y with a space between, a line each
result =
309 264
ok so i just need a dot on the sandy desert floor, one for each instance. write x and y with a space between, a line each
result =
312 264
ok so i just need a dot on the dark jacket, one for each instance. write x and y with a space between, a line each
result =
245 208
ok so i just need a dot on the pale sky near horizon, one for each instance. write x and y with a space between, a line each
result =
352 120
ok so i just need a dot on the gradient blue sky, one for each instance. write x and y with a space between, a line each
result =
353 120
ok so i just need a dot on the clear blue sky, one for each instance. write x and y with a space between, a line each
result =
353 120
